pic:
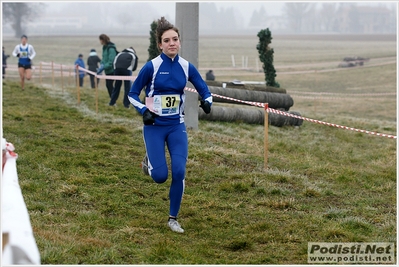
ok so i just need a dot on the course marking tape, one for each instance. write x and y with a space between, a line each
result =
257 104
300 117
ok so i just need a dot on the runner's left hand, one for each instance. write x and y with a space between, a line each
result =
206 106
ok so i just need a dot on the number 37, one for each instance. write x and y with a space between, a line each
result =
170 101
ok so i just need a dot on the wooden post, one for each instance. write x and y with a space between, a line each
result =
40 72
266 138
77 83
96 83
52 71
6 238
62 79
70 76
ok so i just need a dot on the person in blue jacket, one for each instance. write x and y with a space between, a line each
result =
79 61
25 53
164 79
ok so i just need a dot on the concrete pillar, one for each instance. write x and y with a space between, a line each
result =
187 21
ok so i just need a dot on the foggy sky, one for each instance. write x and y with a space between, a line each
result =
168 7
139 14
246 8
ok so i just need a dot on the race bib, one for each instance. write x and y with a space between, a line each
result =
23 54
163 105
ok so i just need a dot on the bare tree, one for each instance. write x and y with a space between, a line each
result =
328 16
295 13
309 21
20 14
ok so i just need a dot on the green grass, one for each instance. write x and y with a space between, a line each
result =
90 203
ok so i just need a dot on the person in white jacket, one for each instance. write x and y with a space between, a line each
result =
25 53
124 64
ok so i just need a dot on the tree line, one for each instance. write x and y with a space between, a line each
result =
296 17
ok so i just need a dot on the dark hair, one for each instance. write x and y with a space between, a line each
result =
24 36
103 37
163 26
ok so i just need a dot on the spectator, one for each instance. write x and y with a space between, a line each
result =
79 61
107 62
25 54
4 62
210 76
93 64
124 64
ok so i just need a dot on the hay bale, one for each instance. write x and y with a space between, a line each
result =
248 115
228 114
252 87
275 100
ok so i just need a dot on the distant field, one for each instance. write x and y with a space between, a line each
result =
89 202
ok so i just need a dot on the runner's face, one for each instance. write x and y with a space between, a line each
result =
170 43
23 40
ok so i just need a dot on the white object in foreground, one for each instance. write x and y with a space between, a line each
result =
21 247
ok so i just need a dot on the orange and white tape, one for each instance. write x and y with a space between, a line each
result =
258 104
300 117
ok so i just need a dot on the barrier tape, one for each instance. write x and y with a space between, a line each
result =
108 77
299 117
330 124
257 104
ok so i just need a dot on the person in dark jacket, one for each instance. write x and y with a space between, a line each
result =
124 64
210 76
79 61
93 64
4 62
107 62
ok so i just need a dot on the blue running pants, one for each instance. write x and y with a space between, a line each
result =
175 138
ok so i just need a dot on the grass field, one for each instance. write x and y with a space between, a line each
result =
89 202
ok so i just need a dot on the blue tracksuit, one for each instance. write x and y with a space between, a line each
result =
164 80
79 61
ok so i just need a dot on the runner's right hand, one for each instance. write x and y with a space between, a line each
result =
149 117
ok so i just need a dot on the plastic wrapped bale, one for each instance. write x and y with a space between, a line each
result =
275 100
280 120
248 115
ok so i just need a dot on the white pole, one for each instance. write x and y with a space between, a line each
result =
233 61
242 62
246 62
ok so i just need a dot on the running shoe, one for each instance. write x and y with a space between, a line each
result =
144 165
175 226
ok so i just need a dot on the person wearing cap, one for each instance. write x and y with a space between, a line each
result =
93 62
79 61
25 53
